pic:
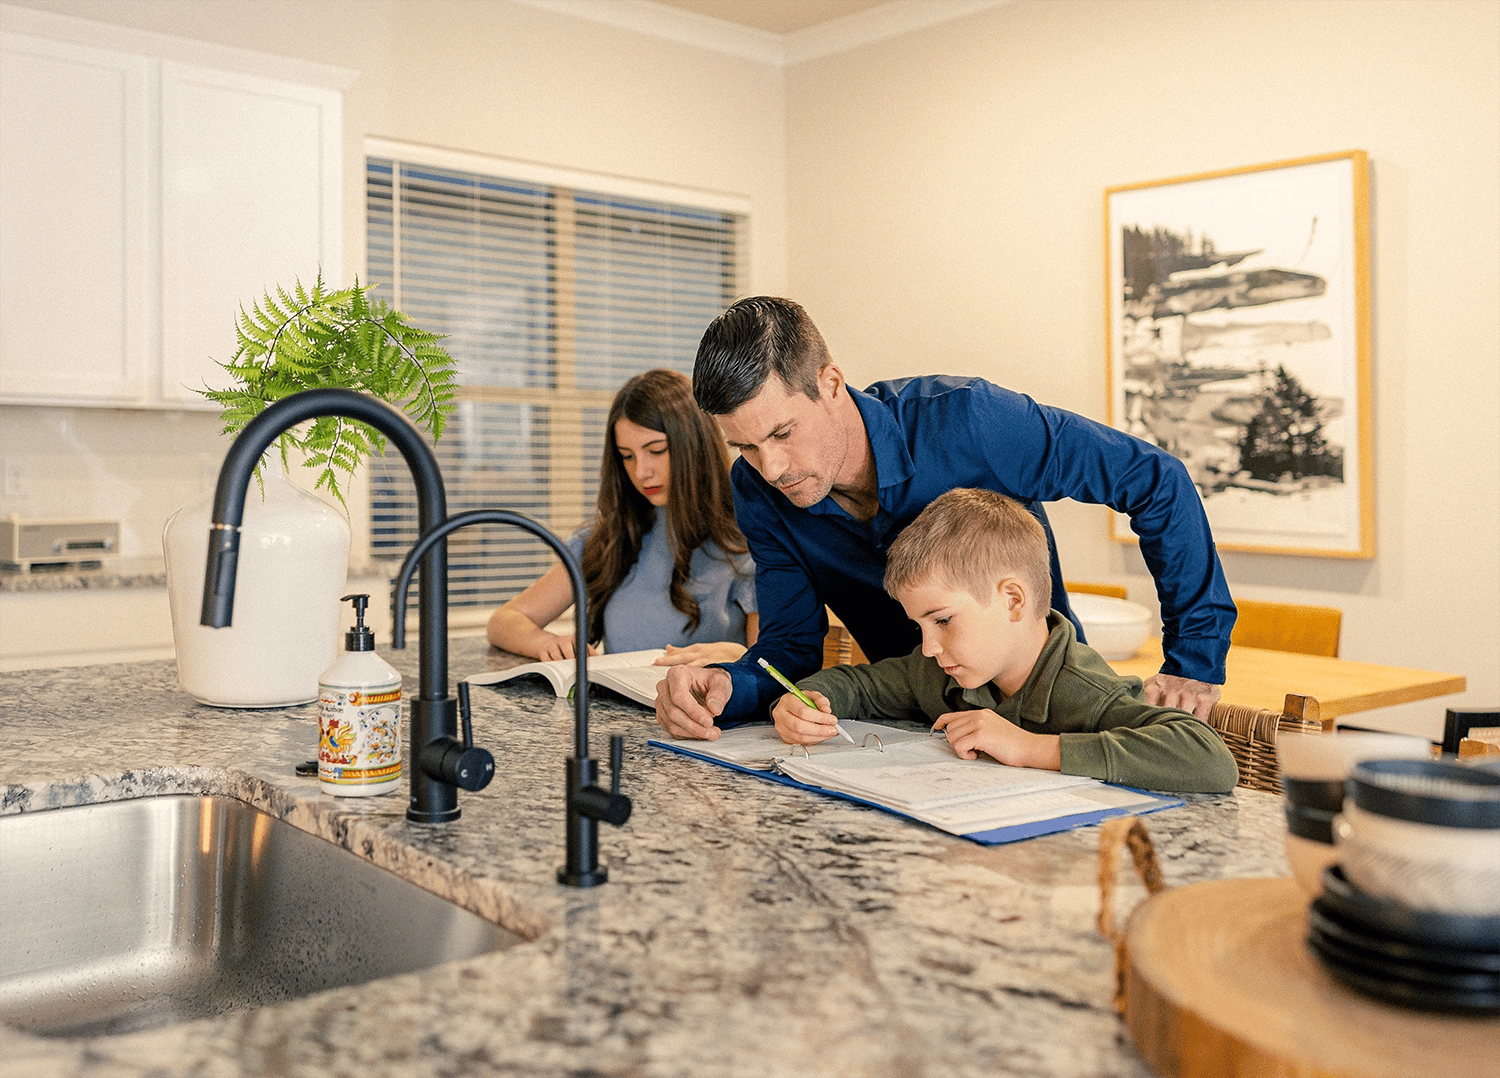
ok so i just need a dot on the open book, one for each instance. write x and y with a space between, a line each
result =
916 774
629 673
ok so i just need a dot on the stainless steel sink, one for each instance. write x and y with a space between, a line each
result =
134 914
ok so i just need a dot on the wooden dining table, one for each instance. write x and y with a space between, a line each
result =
1257 677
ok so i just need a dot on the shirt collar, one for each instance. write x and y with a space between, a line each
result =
1034 701
893 463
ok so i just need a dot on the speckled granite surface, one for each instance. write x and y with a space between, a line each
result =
113 573
747 928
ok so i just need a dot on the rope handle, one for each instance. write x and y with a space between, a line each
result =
1131 833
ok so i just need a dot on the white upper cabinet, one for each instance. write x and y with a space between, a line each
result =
75 217
143 200
250 201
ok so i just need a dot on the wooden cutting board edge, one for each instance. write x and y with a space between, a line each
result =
1219 983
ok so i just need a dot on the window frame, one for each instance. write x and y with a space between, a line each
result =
565 400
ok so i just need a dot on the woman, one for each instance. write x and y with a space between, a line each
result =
663 561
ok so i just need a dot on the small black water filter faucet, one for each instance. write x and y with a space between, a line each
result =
586 802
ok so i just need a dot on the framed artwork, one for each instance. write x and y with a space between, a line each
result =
1239 341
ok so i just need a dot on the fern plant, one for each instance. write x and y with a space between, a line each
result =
321 339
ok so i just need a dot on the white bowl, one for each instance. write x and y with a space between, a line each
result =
1447 869
1328 757
1115 628
1308 860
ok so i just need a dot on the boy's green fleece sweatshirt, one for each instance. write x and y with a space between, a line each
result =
1107 729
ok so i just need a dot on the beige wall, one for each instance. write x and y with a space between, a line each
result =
936 201
945 192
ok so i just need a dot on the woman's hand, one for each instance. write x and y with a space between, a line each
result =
559 647
972 732
798 724
725 651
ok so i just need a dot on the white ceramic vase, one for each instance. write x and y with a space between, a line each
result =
293 565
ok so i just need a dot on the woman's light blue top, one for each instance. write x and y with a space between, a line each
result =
640 614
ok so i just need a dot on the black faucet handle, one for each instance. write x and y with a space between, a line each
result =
456 762
611 806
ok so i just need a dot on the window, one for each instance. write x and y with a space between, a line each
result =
552 292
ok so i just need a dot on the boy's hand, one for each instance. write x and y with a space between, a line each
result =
798 724
972 732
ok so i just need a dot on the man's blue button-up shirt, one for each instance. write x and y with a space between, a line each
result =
929 435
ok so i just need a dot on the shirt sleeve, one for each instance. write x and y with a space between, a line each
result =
888 689
793 621
742 592
577 540
1049 454
1154 748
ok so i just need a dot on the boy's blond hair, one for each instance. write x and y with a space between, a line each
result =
971 539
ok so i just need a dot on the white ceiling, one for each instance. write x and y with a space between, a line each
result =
775 16
776 32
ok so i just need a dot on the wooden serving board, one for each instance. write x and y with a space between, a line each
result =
1219 982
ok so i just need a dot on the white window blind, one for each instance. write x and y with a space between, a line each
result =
551 296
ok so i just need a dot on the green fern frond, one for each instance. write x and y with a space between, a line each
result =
320 339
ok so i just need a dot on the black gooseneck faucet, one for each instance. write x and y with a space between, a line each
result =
586 802
434 714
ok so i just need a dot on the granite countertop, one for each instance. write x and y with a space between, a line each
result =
112 573
746 928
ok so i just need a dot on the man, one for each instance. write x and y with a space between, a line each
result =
828 476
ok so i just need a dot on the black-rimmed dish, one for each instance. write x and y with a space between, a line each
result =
1374 982
1310 823
1326 795
1382 917
1428 791
1402 953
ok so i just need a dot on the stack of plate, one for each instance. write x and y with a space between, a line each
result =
1412 957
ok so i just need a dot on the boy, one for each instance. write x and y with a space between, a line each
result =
999 671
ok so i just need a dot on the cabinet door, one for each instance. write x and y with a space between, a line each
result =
75 202
250 201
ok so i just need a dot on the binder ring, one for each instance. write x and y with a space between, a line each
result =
879 744
804 751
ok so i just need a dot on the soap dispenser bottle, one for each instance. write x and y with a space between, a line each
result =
359 716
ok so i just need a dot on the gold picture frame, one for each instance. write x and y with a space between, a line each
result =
1238 321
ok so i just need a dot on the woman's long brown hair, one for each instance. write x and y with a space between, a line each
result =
699 505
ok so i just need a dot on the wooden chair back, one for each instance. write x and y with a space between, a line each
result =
1307 630
839 646
1114 591
1251 732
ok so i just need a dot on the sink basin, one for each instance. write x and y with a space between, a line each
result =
134 914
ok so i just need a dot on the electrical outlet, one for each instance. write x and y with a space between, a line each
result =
17 485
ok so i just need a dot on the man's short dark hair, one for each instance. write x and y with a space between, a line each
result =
753 339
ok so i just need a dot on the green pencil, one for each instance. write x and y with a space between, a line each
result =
800 695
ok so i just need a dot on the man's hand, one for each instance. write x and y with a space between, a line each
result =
689 698
798 724
1185 694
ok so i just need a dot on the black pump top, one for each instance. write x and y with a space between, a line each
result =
359 638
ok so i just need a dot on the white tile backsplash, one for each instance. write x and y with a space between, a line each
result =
132 465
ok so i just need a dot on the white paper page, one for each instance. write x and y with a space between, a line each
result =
617 660
560 671
757 746
923 774
1030 808
636 681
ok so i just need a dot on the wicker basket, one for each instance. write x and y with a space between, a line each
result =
1251 732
